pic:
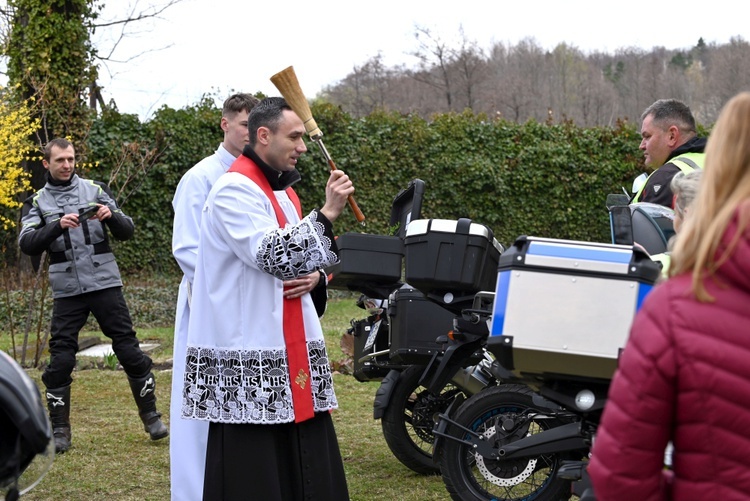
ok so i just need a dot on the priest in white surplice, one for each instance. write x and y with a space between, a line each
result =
256 366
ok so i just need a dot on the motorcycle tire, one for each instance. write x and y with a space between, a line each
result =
470 477
408 420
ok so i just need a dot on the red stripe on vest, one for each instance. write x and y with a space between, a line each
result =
294 326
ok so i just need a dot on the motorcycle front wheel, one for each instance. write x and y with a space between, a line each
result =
409 419
470 477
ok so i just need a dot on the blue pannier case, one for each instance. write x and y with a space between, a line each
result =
566 307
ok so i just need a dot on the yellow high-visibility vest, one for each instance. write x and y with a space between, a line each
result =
687 162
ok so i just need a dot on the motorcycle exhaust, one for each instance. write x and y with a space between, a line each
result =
474 378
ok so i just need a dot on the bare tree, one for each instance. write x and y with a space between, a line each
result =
517 73
471 67
596 97
408 95
127 22
604 107
365 89
133 20
524 81
631 83
567 77
729 73
435 58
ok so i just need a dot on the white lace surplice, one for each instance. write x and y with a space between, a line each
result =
236 365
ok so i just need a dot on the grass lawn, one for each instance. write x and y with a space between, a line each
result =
113 459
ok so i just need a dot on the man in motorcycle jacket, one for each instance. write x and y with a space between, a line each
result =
683 376
670 145
68 218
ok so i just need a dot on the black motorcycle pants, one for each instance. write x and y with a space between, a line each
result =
69 315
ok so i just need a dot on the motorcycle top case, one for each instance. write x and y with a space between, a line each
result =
366 260
415 323
407 206
566 307
456 256
372 264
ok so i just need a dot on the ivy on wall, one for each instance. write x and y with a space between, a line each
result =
51 59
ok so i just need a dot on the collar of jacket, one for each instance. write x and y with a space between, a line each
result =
278 181
694 145
54 182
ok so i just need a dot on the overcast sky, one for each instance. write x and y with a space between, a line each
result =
220 46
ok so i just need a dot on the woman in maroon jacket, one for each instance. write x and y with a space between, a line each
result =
684 375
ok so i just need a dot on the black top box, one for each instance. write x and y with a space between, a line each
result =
407 206
372 264
367 261
450 256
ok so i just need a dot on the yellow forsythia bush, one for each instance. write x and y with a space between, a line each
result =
16 128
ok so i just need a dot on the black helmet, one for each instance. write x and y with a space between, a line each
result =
25 431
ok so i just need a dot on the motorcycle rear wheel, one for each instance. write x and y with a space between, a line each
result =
408 420
470 477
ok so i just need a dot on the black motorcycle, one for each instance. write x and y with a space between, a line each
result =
399 337
406 409
555 322
527 437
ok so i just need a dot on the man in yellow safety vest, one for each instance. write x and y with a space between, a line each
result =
670 145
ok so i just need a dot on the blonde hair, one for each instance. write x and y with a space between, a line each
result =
725 190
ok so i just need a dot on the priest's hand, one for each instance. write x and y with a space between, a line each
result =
338 189
301 285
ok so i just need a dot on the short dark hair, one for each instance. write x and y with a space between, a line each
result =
668 112
58 142
239 102
267 113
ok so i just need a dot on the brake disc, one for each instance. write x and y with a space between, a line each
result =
504 481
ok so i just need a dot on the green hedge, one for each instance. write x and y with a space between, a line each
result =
519 179
535 178
538 179
151 304
180 139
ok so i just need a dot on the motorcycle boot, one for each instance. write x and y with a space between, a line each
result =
144 392
58 405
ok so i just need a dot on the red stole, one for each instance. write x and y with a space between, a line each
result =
294 326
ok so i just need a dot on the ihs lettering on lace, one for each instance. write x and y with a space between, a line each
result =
251 386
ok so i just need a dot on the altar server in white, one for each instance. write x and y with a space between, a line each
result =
187 447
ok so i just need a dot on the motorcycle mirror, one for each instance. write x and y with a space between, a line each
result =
616 199
639 182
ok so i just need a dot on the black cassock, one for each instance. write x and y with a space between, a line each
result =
279 462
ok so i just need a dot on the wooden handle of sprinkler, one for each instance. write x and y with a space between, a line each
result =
355 208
